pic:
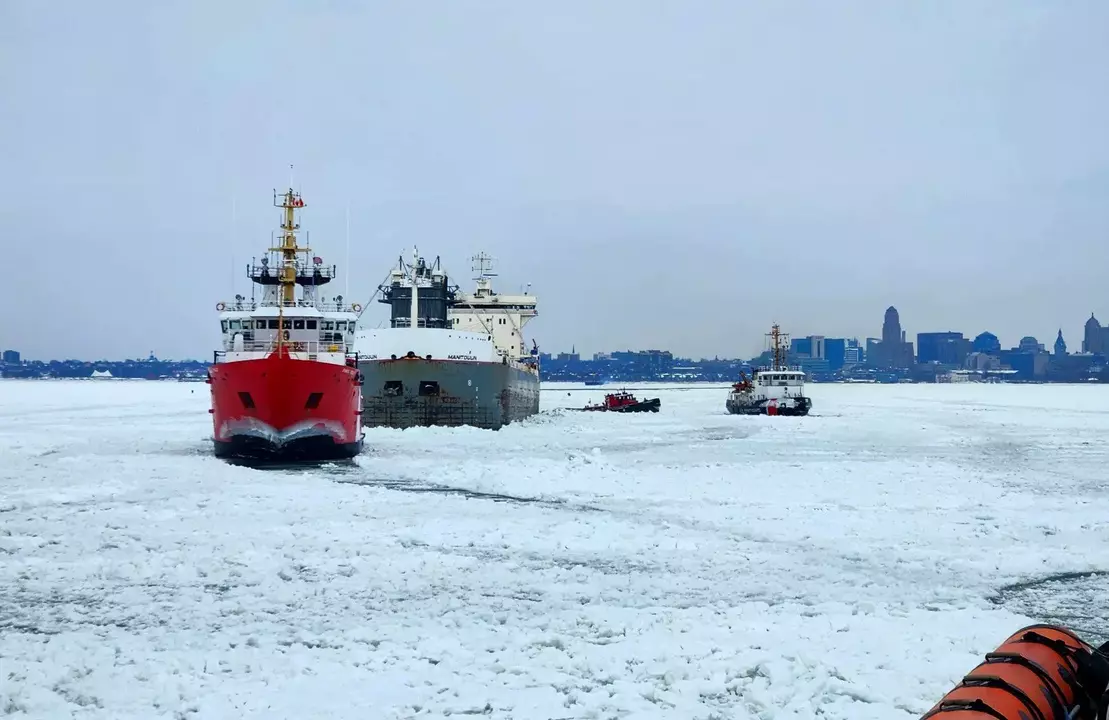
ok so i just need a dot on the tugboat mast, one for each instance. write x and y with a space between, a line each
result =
776 337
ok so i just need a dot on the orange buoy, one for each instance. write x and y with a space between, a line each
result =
1041 672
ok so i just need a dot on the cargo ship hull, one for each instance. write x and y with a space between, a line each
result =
283 409
417 392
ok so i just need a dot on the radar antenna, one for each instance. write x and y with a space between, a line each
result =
483 266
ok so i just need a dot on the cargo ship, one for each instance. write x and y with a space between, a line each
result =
448 358
285 384
777 389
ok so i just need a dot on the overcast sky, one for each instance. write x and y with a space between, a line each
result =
671 175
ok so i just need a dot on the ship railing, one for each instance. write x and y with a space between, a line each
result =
780 368
313 348
252 305
302 269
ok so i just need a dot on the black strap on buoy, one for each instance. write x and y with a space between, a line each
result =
963 706
1019 694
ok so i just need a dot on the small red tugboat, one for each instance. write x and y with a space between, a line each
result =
625 402
285 386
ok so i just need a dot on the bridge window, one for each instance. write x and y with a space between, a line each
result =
223 324
328 325
310 324
298 324
236 324
273 324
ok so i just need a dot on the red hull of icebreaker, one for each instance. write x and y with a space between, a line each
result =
282 409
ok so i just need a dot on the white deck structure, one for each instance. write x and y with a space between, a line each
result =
500 316
482 326
309 327
779 383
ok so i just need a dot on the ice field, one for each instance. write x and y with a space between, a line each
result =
689 564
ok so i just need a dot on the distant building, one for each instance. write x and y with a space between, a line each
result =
893 351
1029 366
812 346
871 351
945 348
571 356
1095 339
10 357
1060 345
1030 345
819 354
986 342
645 361
853 354
982 362
1075 367
835 352
814 365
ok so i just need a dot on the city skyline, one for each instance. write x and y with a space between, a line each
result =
1076 344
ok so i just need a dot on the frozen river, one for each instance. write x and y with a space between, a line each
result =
689 564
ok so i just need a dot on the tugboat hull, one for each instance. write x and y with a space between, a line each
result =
416 392
651 405
285 410
787 407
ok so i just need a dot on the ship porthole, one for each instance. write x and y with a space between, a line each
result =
469 383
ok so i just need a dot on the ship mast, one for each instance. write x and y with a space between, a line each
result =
414 310
776 345
290 202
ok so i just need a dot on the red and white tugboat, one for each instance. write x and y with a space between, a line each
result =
285 385
624 402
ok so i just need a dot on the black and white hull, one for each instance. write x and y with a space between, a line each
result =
795 406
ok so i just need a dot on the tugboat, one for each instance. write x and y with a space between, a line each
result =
448 358
775 390
624 402
285 385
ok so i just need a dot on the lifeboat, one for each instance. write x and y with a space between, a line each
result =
1041 672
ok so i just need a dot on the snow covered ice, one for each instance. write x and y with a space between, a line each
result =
688 564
